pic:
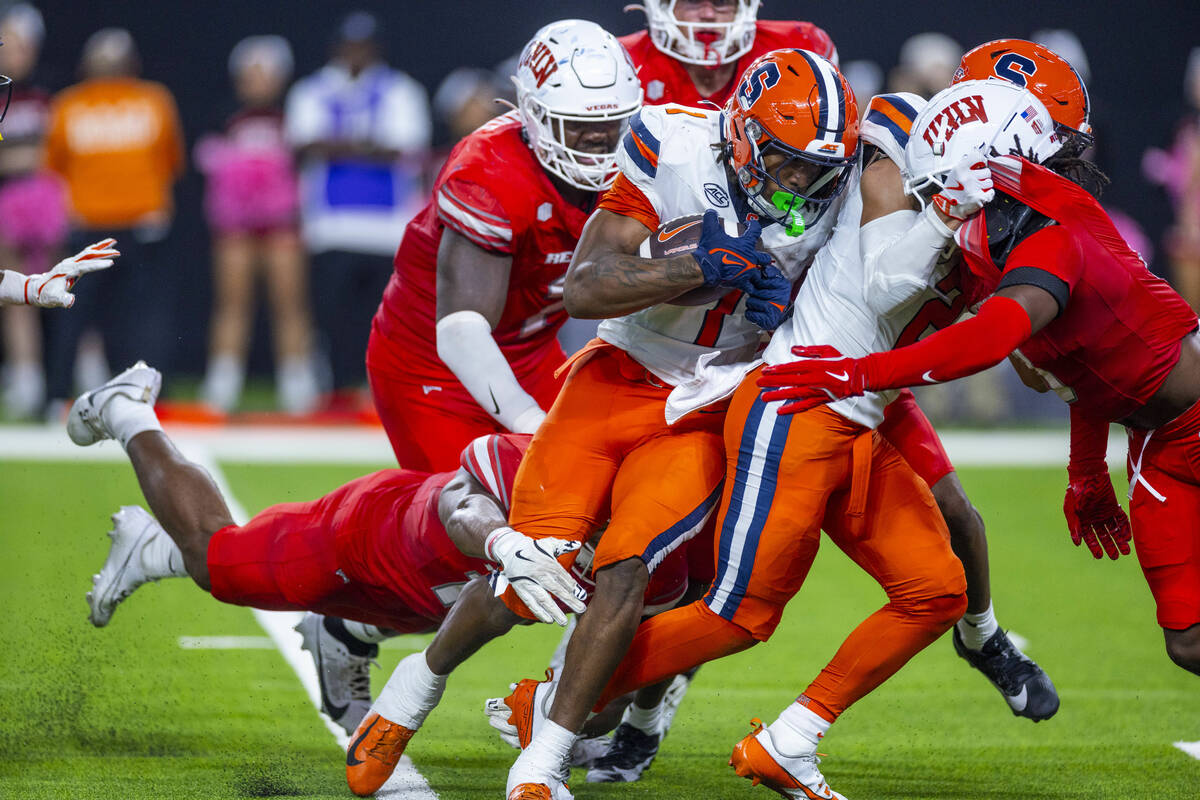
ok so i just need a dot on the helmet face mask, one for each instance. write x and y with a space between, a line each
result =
986 118
574 73
709 43
792 118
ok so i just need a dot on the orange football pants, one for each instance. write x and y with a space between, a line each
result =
789 477
605 452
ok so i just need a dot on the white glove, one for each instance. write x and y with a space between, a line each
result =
530 566
53 289
968 188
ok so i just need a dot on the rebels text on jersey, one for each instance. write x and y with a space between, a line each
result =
493 191
665 80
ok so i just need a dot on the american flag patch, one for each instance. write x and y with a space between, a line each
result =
1030 116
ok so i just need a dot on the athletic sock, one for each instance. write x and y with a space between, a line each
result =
126 418
798 730
411 693
368 634
646 720
549 749
976 629
162 558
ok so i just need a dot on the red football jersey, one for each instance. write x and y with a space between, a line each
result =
493 191
665 80
1119 329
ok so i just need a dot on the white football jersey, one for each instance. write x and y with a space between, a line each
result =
678 170
834 305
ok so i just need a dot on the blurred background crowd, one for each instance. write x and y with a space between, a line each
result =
257 164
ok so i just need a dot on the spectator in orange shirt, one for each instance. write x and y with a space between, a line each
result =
115 141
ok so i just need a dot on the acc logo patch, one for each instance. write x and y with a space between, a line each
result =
716 195
655 90
544 211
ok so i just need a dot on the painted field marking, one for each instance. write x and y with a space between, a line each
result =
1191 748
226 643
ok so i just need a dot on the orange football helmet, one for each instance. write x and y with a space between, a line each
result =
793 103
1045 73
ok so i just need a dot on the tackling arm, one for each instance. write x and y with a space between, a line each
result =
469 513
607 279
472 284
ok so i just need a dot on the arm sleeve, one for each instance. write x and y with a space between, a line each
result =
466 346
1089 446
626 199
899 252
475 212
962 349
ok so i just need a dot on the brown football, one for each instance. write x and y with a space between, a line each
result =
679 236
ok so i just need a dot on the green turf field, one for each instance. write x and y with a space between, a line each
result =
124 712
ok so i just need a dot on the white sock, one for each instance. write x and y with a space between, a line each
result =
798 730
162 558
976 629
296 385
549 749
411 693
646 720
367 634
223 382
127 418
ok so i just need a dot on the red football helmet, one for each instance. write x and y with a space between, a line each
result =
1045 73
794 103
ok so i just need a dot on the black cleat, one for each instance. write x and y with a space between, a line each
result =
1027 689
627 758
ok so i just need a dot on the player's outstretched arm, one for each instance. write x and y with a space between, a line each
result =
608 279
823 375
472 287
53 289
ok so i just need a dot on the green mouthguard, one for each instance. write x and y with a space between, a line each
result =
788 202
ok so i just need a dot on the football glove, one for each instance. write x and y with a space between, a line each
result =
968 188
820 376
1095 518
768 299
729 260
531 567
53 289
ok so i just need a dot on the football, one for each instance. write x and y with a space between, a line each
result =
679 236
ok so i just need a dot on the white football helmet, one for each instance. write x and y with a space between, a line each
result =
680 40
575 71
991 118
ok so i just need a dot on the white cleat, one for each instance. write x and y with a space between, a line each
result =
85 423
796 776
133 529
344 678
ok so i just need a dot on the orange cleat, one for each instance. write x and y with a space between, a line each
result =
520 715
374 751
530 791
797 777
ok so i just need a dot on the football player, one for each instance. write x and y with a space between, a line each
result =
463 343
1058 282
53 289
692 51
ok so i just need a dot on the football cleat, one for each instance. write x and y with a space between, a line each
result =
344 677
375 749
757 758
133 528
1025 686
85 422
674 696
519 716
630 754
585 751
531 791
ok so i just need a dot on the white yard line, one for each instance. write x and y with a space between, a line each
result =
406 781
226 643
1191 748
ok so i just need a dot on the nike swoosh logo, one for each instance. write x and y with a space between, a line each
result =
663 236
746 265
844 376
1018 701
523 557
496 404
351 761
928 377
335 711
